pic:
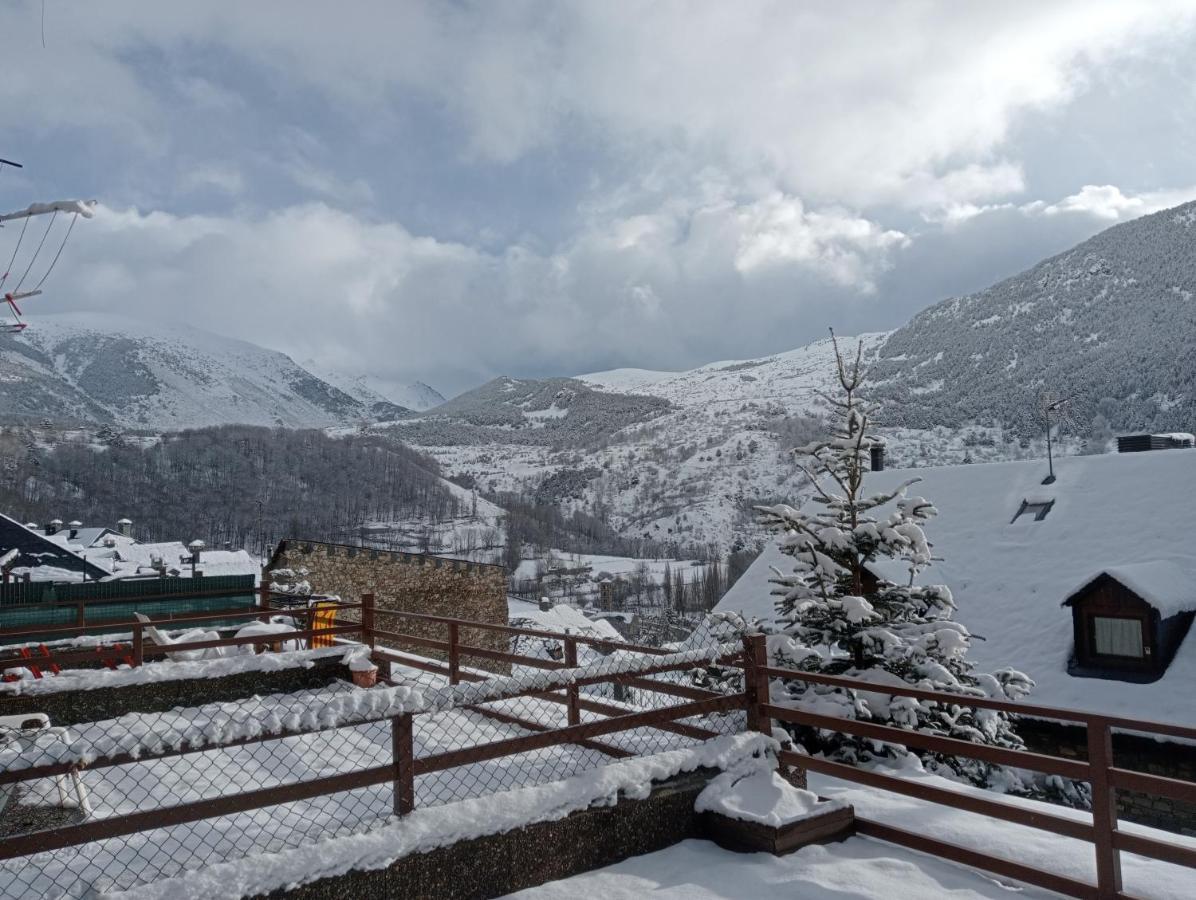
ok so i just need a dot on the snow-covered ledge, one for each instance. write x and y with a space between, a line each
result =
428 829
169 670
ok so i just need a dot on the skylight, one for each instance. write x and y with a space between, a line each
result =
1038 509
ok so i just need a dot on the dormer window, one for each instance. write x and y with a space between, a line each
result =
1117 636
1037 509
1129 620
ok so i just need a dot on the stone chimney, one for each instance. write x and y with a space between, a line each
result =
74 527
125 527
53 527
545 604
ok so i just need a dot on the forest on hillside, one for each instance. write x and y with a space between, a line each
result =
244 486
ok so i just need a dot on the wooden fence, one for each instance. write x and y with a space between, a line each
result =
1099 770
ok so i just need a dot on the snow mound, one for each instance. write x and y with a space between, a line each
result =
763 797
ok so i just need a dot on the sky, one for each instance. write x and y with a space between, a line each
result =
449 191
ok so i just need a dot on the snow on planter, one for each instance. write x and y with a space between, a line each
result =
763 797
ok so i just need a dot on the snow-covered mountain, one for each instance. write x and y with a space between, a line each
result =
374 392
1110 324
92 368
668 457
683 455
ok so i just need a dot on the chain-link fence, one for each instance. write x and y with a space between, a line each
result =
111 804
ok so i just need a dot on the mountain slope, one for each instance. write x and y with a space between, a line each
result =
1110 323
417 396
91 368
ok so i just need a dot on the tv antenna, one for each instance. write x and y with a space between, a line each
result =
25 263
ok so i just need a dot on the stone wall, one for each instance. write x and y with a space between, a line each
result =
409 582
500 864
1141 754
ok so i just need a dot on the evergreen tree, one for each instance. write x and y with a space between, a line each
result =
837 618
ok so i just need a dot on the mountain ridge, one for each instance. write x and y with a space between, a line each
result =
100 369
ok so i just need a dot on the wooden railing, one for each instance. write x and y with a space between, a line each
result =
401 773
1099 770
137 650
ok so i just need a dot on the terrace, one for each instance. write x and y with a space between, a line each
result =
444 751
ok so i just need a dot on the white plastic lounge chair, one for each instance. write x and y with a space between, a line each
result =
155 638
30 728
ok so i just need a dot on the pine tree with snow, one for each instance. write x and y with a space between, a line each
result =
836 617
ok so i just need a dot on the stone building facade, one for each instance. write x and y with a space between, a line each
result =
1138 753
408 582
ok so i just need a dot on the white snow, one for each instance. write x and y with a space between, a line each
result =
762 796
1164 585
167 670
156 733
1009 580
866 869
857 869
1042 850
560 617
85 208
428 828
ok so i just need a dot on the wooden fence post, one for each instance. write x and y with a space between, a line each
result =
571 691
1104 809
367 620
80 614
402 738
755 682
138 644
454 653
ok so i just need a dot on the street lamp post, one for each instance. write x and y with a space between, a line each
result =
1047 410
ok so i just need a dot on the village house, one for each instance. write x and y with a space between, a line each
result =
1087 584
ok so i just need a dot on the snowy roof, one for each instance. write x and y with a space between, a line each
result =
751 592
561 618
1009 578
1167 586
43 558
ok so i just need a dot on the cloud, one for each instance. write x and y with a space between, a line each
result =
1108 203
453 191
328 284
906 103
777 230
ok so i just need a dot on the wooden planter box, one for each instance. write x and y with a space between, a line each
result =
754 837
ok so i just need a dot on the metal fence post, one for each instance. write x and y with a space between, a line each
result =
1104 809
402 738
571 691
755 682
367 620
454 653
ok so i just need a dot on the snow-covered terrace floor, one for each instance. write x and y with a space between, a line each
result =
861 868
123 863
855 869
